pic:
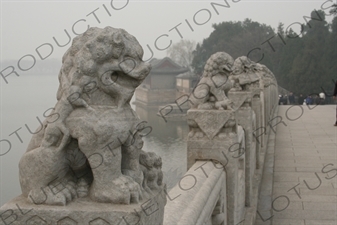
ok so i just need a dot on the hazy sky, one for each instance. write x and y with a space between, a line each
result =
26 25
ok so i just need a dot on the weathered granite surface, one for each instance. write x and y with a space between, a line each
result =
227 118
84 211
199 197
90 146
211 91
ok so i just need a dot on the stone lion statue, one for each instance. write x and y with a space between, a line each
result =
247 73
211 91
90 145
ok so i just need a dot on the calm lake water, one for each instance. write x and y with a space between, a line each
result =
27 97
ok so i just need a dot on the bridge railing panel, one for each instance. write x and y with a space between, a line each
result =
231 129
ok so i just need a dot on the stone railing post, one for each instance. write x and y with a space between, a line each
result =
257 108
246 118
214 135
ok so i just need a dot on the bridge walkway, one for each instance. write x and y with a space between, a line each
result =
304 169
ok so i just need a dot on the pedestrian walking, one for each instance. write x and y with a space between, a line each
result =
301 99
291 98
334 97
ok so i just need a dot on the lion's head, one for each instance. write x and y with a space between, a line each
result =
109 60
218 63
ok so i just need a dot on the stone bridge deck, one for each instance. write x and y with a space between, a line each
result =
299 186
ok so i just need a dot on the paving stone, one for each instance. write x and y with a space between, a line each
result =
285 169
307 157
285 157
285 150
306 214
289 196
304 148
285 163
309 169
278 176
320 222
312 183
281 203
325 157
288 222
284 189
309 161
329 206
334 185
309 198
288 184
320 191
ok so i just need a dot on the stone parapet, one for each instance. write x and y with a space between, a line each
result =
247 119
200 197
230 121
214 135
83 211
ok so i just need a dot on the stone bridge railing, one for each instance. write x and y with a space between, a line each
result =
226 149
93 170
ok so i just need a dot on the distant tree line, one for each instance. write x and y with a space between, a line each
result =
303 62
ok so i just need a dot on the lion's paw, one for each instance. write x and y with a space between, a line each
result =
122 190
